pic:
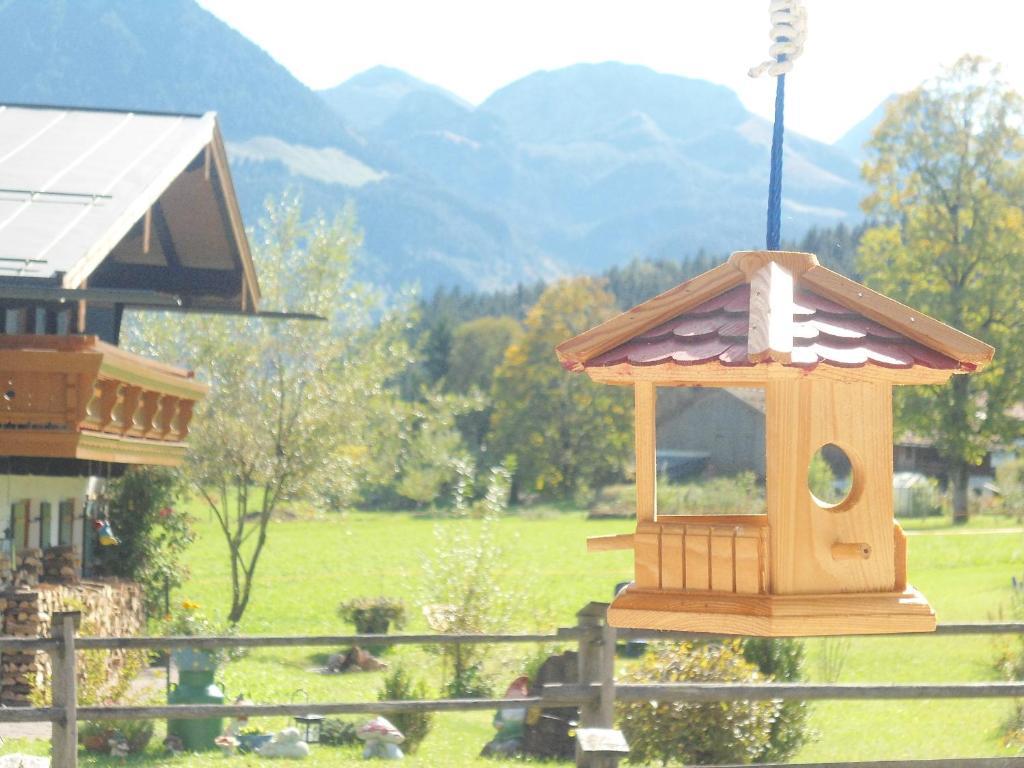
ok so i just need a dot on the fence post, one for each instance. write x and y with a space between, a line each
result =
65 696
596 665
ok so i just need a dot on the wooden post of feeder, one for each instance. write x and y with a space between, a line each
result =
646 467
646 573
65 694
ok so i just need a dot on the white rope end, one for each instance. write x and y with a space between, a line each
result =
788 33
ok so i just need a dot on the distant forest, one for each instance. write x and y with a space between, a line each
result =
835 247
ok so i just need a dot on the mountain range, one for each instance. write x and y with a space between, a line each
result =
562 171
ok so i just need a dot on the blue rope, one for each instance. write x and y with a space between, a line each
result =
774 234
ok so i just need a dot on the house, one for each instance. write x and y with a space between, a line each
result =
101 211
826 351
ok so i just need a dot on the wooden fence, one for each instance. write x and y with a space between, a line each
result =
595 694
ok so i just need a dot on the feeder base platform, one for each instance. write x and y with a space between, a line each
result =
869 613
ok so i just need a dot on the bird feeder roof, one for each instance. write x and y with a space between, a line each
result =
768 314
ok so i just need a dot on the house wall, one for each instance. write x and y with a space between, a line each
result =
39 488
716 422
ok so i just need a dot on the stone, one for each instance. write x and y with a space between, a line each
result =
18 760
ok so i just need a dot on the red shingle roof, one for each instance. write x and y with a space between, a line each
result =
823 332
766 315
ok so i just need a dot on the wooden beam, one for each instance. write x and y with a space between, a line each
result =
715 374
227 203
851 550
147 229
609 543
794 262
646 467
770 329
172 279
163 234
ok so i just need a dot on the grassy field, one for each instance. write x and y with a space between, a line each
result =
311 564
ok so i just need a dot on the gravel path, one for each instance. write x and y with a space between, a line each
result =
150 681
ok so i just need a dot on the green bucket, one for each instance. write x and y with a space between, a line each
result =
196 686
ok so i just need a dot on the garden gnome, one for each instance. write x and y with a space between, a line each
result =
174 745
509 721
382 739
286 743
228 744
118 746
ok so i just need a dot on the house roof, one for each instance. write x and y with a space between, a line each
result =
766 314
121 200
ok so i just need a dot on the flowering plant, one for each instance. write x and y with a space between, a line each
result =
189 621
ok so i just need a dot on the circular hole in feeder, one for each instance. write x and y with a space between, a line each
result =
9 395
830 476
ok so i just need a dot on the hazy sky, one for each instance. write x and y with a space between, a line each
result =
857 53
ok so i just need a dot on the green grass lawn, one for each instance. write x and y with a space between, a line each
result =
310 565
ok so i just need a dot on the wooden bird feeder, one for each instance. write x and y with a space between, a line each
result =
827 351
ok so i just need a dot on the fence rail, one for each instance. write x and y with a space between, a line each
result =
595 694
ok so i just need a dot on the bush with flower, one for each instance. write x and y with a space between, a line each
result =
188 620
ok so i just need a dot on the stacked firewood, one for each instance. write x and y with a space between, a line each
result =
18 676
110 608
5 568
30 567
20 672
61 565
22 616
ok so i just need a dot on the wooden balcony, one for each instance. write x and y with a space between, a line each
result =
75 397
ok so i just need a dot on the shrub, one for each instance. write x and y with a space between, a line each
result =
338 733
739 494
781 661
685 733
96 736
1010 479
103 677
463 593
468 681
153 534
187 620
1009 662
373 615
399 686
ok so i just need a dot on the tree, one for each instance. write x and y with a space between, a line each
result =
947 175
478 347
289 400
566 432
432 449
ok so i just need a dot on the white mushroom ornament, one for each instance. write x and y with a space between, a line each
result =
382 739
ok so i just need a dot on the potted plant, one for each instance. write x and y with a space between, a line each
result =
189 621
373 615
252 738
